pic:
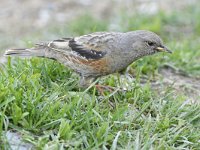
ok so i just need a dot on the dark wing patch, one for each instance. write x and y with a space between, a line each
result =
84 52
60 40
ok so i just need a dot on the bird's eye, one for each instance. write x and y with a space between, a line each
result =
150 43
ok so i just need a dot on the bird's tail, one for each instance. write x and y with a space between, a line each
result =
38 51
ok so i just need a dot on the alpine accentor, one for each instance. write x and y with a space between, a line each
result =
97 54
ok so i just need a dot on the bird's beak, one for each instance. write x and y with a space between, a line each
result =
163 49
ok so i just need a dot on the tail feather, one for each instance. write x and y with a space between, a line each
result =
18 52
38 51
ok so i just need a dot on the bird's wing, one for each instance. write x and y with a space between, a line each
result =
86 50
91 46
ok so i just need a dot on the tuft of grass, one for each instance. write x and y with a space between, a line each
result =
41 98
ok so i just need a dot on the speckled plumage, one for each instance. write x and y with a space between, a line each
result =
97 54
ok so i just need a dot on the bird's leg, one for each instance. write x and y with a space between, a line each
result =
85 81
102 88
118 79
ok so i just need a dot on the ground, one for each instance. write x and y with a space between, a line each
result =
158 107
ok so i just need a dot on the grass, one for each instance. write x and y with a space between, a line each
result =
40 99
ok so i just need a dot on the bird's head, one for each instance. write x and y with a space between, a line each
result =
147 43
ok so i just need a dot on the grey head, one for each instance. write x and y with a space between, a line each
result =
142 43
134 45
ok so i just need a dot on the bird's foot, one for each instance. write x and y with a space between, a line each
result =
103 88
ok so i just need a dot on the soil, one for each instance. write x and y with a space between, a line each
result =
188 86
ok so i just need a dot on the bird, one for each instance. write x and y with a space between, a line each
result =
97 54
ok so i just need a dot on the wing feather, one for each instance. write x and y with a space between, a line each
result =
84 51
